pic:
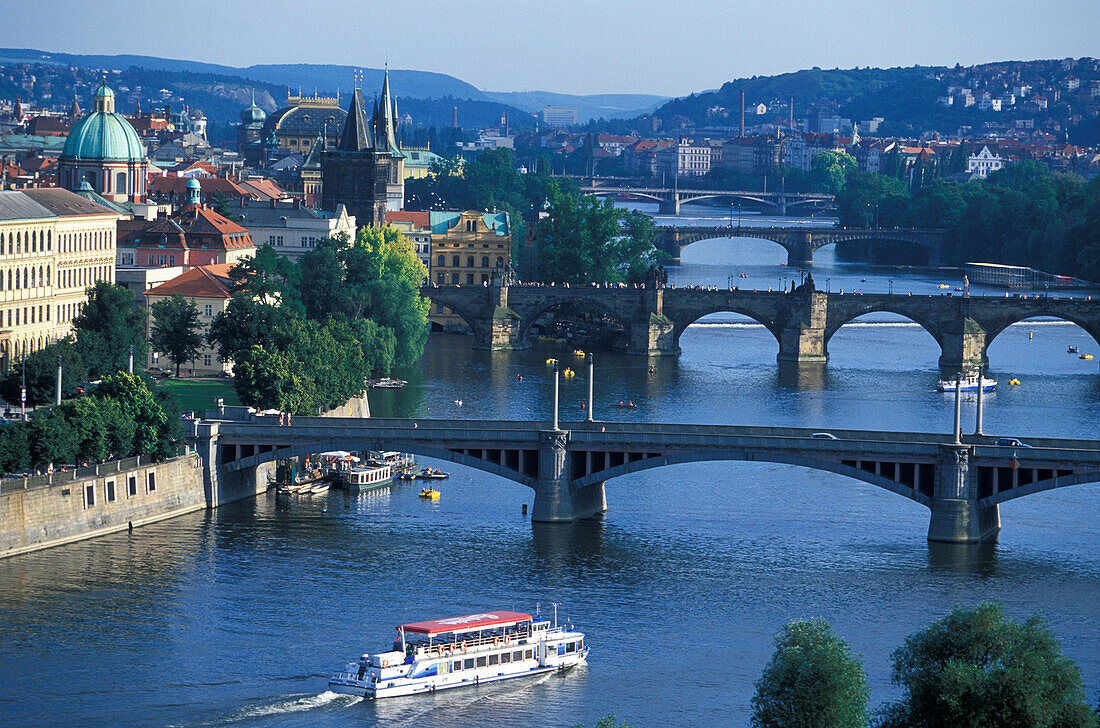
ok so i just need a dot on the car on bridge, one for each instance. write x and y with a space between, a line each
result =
824 436
1010 442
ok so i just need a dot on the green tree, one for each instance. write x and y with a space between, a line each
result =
246 322
830 169
52 438
108 326
41 374
978 668
155 432
273 380
15 447
812 681
176 330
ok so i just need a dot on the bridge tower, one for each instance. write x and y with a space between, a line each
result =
505 326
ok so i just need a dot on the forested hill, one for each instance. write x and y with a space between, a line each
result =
909 99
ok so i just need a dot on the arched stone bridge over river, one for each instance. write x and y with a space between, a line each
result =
802 321
961 482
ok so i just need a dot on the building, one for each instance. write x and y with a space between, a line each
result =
984 162
419 162
192 235
104 149
466 249
296 126
289 227
417 227
559 116
53 245
252 124
365 172
208 288
684 159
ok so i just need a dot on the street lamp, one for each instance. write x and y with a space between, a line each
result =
827 281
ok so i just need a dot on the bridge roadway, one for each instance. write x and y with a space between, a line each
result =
669 199
801 241
803 321
962 484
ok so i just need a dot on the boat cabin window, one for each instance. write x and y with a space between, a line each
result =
494 659
570 647
528 654
468 664
505 658
481 662
518 655
456 665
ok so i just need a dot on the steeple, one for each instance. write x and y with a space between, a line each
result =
385 119
104 98
357 134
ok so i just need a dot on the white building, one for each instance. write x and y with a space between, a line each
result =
289 228
684 159
984 162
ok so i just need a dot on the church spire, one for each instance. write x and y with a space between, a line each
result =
385 121
357 134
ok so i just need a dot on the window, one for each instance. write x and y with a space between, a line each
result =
131 486
484 261
500 262
454 279
110 489
481 662
205 361
517 655
441 261
484 277
494 659
528 654
441 278
208 310
455 261
152 482
456 665
469 261
570 647
505 658
89 496
468 664
469 279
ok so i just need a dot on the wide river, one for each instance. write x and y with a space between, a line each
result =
236 617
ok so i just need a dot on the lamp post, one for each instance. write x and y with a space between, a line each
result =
591 385
555 396
827 282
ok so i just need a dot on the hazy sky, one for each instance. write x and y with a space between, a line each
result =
573 46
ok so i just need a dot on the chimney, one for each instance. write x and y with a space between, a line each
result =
791 123
742 113
454 117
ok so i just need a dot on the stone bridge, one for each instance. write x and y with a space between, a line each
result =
802 321
801 242
669 199
962 482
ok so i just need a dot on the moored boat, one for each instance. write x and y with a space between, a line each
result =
430 493
968 383
461 651
366 477
432 474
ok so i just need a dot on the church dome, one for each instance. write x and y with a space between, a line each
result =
253 115
104 135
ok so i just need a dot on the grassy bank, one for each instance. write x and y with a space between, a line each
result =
200 394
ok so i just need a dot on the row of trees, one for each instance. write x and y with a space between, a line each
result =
125 416
975 668
305 336
1022 214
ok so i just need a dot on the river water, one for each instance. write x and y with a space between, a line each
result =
234 618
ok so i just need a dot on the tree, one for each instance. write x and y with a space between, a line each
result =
829 170
176 330
155 432
107 327
812 681
41 374
976 667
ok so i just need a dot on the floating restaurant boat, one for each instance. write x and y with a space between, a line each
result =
366 477
461 651
969 383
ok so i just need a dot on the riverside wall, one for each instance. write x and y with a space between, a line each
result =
51 510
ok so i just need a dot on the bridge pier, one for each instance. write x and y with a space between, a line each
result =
557 500
963 345
801 253
670 206
802 339
503 332
956 515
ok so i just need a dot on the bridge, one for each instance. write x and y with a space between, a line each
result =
962 481
669 199
801 242
802 321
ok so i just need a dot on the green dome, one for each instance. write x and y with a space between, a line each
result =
103 135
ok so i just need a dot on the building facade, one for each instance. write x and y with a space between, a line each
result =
467 249
54 244
209 289
365 172
417 227
289 227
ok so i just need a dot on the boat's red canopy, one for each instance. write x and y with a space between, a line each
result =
467 623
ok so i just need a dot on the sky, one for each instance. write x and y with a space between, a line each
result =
569 46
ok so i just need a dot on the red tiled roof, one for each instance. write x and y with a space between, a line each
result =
264 188
419 219
204 281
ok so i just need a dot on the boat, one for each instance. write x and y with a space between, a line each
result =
440 654
1073 349
943 285
319 488
578 353
432 474
366 477
625 405
1085 356
386 383
969 383
569 373
1014 382
430 493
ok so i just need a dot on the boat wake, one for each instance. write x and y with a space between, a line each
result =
298 704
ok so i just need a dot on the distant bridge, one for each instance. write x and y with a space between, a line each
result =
669 199
962 483
803 321
800 241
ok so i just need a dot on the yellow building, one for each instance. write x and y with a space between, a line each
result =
207 287
467 248
419 162
54 244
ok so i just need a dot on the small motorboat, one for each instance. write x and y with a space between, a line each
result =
430 494
569 373
1085 356
458 402
1073 349
433 474
578 353
969 383
743 275
319 488
386 383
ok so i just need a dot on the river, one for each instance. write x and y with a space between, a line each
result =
235 617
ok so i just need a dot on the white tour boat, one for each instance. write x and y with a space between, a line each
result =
449 653
969 383
360 477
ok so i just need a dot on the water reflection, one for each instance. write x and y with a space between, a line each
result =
805 376
979 559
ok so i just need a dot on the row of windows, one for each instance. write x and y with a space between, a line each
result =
456 261
34 241
109 489
502 658
39 241
456 279
32 277
442 244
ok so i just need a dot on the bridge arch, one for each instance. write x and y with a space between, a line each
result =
682 322
530 314
1040 486
472 320
683 239
1090 327
930 328
696 456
